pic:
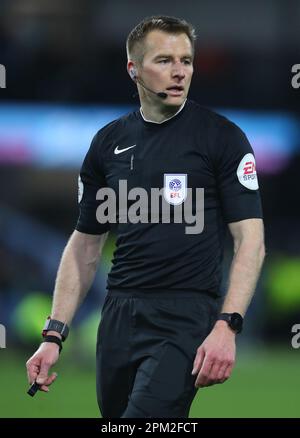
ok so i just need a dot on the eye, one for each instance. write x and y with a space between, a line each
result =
163 61
187 62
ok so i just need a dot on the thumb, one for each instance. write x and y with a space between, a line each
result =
43 374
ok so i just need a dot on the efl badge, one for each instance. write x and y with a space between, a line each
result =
246 172
175 188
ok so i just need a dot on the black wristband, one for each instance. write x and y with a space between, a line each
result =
54 339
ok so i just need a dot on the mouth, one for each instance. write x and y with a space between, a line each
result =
175 90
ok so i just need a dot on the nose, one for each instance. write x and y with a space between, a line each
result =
178 70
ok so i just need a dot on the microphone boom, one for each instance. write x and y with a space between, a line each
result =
160 94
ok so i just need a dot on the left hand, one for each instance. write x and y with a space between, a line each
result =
215 357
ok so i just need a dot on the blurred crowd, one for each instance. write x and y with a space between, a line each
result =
74 51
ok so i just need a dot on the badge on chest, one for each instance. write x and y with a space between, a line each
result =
175 188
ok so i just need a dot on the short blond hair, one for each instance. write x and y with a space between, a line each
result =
134 43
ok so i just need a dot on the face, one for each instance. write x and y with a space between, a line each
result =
167 66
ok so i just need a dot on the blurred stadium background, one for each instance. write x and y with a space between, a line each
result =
66 77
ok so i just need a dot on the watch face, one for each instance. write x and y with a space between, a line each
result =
236 322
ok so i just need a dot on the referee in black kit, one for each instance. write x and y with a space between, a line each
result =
165 329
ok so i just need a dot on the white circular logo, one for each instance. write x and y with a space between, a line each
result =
246 172
80 189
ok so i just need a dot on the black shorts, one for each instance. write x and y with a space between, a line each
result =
147 341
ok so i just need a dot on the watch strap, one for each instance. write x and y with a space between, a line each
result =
234 320
54 339
225 316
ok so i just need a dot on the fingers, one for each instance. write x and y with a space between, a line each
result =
214 371
39 374
228 370
221 375
198 361
51 379
203 378
48 382
32 372
43 373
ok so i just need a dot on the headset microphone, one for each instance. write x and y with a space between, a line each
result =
162 95
133 76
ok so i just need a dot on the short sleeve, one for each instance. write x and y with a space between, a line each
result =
236 175
90 180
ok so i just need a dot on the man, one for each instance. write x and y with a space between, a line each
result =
162 333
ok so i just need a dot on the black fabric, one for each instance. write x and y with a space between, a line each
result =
199 143
146 346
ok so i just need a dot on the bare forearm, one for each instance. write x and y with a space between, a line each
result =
75 274
244 273
215 357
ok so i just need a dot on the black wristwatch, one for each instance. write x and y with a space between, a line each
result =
234 320
56 326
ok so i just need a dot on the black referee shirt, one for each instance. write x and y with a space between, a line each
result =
211 153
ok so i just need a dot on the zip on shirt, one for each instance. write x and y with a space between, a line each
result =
131 162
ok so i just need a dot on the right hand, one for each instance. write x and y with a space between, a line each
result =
215 357
39 364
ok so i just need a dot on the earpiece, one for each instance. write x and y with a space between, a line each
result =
132 73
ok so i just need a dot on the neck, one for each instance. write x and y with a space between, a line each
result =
158 112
